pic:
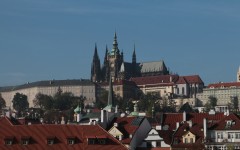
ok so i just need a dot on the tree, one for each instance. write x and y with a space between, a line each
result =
43 101
2 102
64 101
20 103
213 101
233 105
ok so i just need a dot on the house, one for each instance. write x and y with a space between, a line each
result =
55 136
130 131
224 134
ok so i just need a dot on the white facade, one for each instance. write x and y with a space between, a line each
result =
31 90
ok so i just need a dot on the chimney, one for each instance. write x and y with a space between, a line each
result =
205 128
78 117
115 124
190 123
102 115
62 121
158 127
184 116
177 125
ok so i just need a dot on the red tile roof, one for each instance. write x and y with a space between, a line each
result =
226 84
161 79
126 126
39 133
223 123
193 79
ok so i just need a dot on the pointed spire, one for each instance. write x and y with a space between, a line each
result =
115 45
134 60
110 93
95 56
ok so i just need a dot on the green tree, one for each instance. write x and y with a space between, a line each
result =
20 103
64 101
212 101
233 105
43 101
2 102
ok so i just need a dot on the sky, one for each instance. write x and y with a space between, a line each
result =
55 39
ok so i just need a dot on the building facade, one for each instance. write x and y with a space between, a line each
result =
83 88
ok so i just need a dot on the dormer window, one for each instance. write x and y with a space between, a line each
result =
8 140
50 140
91 140
71 140
25 140
102 140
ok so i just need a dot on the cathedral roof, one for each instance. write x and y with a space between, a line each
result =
154 66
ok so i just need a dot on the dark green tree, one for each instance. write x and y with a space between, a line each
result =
63 101
233 105
20 103
212 101
43 101
2 102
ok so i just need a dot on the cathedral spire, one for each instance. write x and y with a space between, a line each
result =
115 45
95 56
96 67
134 59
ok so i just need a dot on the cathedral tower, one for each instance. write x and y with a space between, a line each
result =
114 59
95 69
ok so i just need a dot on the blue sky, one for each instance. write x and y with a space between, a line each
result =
54 39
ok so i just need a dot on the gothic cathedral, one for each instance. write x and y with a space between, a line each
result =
115 67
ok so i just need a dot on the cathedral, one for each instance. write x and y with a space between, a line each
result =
115 67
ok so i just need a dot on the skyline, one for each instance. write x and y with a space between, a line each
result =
45 40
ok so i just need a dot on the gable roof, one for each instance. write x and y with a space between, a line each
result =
230 122
128 126
38 135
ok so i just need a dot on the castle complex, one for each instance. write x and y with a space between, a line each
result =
115 66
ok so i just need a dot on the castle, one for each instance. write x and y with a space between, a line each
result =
115 66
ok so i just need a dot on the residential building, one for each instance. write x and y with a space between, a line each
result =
130 131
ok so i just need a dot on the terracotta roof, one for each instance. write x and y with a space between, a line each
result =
193 79
39 134
161 79
127 125
181 80
171 119
166 135
183 130
226 84
230 122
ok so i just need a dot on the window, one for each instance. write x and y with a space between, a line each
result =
71 141
185 140
91 141
158 143
220 135
191 140
25 140
102 141
237 135
50 141
8 142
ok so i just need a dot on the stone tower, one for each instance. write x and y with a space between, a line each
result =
114 59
